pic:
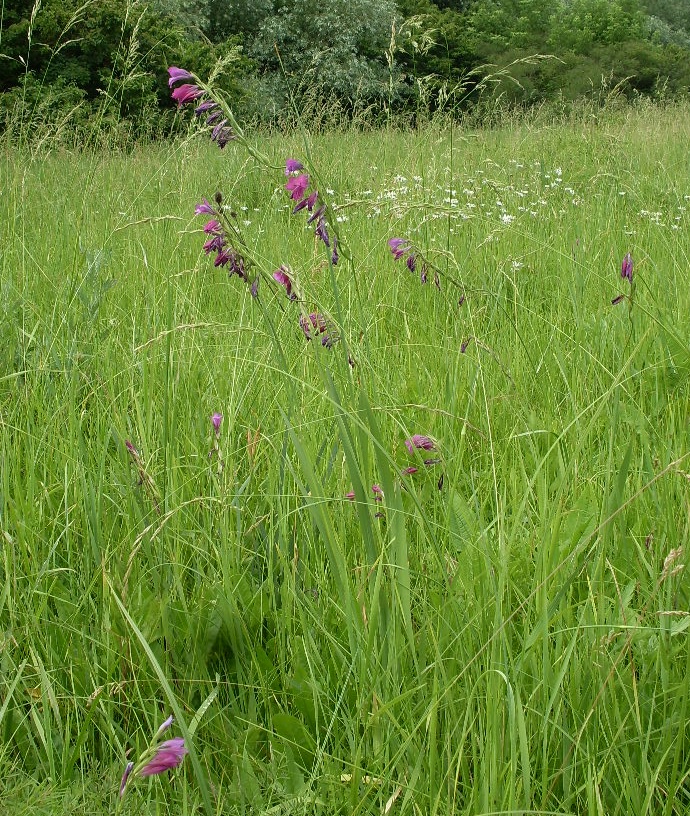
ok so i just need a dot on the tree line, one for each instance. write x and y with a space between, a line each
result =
105 60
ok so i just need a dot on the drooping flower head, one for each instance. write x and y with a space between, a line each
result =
168 755
418 441
627 267
282 277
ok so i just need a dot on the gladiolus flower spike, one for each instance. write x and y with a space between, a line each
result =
402 248
222 133
298 186
158 758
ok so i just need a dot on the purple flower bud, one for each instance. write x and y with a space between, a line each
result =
125 777
350 496
378 493
617 300
216 419
334 255
627 267
177 75
254 290
408 471
205 107
314 321
322 231
166 723
412 263
293 166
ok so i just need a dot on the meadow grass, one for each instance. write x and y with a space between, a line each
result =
506 632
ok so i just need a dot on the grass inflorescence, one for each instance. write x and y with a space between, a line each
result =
383 540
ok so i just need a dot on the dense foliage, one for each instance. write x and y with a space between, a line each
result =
104 60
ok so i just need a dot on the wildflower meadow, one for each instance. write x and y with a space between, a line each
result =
348 471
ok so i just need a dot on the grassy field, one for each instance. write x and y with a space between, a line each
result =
504 630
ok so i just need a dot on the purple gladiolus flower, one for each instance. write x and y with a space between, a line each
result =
216 419
177 75
627 267
212 227
186 93
222 258
297 186
125 777
293 166
420 441
204 208
169 755
214 244
399 247
281 276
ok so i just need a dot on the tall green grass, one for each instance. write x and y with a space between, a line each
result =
512 638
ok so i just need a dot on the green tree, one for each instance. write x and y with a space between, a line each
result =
336 48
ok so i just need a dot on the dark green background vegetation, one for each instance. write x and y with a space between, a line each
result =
104 61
